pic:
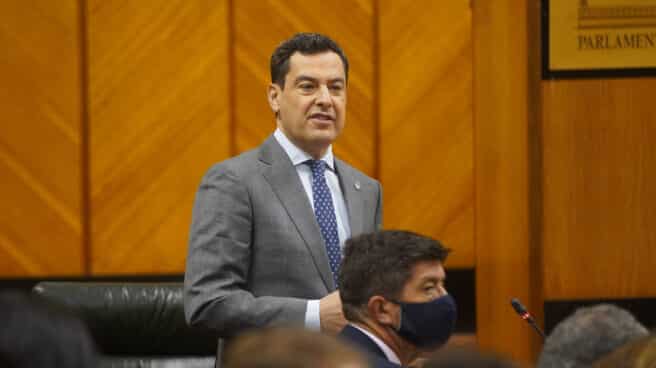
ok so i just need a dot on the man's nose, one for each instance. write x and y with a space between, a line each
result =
323 96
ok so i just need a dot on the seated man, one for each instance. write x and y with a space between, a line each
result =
393 296
587 335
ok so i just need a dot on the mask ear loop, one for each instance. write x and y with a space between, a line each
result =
400 304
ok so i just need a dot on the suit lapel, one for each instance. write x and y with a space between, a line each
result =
354 202
283 178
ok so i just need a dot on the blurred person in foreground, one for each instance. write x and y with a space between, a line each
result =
639 353
393 295
460 357
35 334
587 335
291 348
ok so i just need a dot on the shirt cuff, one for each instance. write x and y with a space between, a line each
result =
312 318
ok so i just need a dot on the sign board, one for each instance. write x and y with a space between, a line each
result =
598 38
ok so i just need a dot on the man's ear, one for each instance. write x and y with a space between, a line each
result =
273 94
383 311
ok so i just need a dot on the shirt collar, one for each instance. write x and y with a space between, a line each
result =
389 353
297 155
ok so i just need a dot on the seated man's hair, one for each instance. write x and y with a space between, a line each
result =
305 44
35 334
381 263
591 332
290 348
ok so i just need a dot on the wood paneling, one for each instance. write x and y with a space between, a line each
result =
426 131
40 230
505 261
259 26
599 188
159 114
538 186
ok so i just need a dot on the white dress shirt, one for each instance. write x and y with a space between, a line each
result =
298 158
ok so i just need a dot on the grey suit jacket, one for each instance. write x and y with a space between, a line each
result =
255 250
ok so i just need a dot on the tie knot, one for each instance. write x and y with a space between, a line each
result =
317 166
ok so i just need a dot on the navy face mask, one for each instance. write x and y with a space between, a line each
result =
428 325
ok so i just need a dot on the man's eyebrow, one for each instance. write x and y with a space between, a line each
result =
433 279
302 78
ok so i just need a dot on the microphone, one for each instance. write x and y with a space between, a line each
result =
526 316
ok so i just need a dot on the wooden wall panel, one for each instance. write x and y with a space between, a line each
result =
159 117
40 226
426 131
505 256
259 26
599 188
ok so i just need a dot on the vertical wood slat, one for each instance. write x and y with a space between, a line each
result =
600 188
426 131
158 96
261 25
40 226
505 261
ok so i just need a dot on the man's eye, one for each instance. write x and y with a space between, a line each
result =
337 87
306 86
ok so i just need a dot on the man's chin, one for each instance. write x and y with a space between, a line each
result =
324 138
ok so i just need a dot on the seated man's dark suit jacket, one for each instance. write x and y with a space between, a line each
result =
256 254
365 344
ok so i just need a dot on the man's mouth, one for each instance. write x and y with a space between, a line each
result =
322 117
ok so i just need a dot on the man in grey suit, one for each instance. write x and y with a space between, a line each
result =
269 224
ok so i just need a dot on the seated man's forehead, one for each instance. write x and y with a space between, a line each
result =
429 269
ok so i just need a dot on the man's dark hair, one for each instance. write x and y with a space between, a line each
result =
381 263
587 335
306 44
34 333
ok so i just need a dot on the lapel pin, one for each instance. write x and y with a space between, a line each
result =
357 185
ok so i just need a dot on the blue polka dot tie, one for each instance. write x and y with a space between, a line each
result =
324 211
